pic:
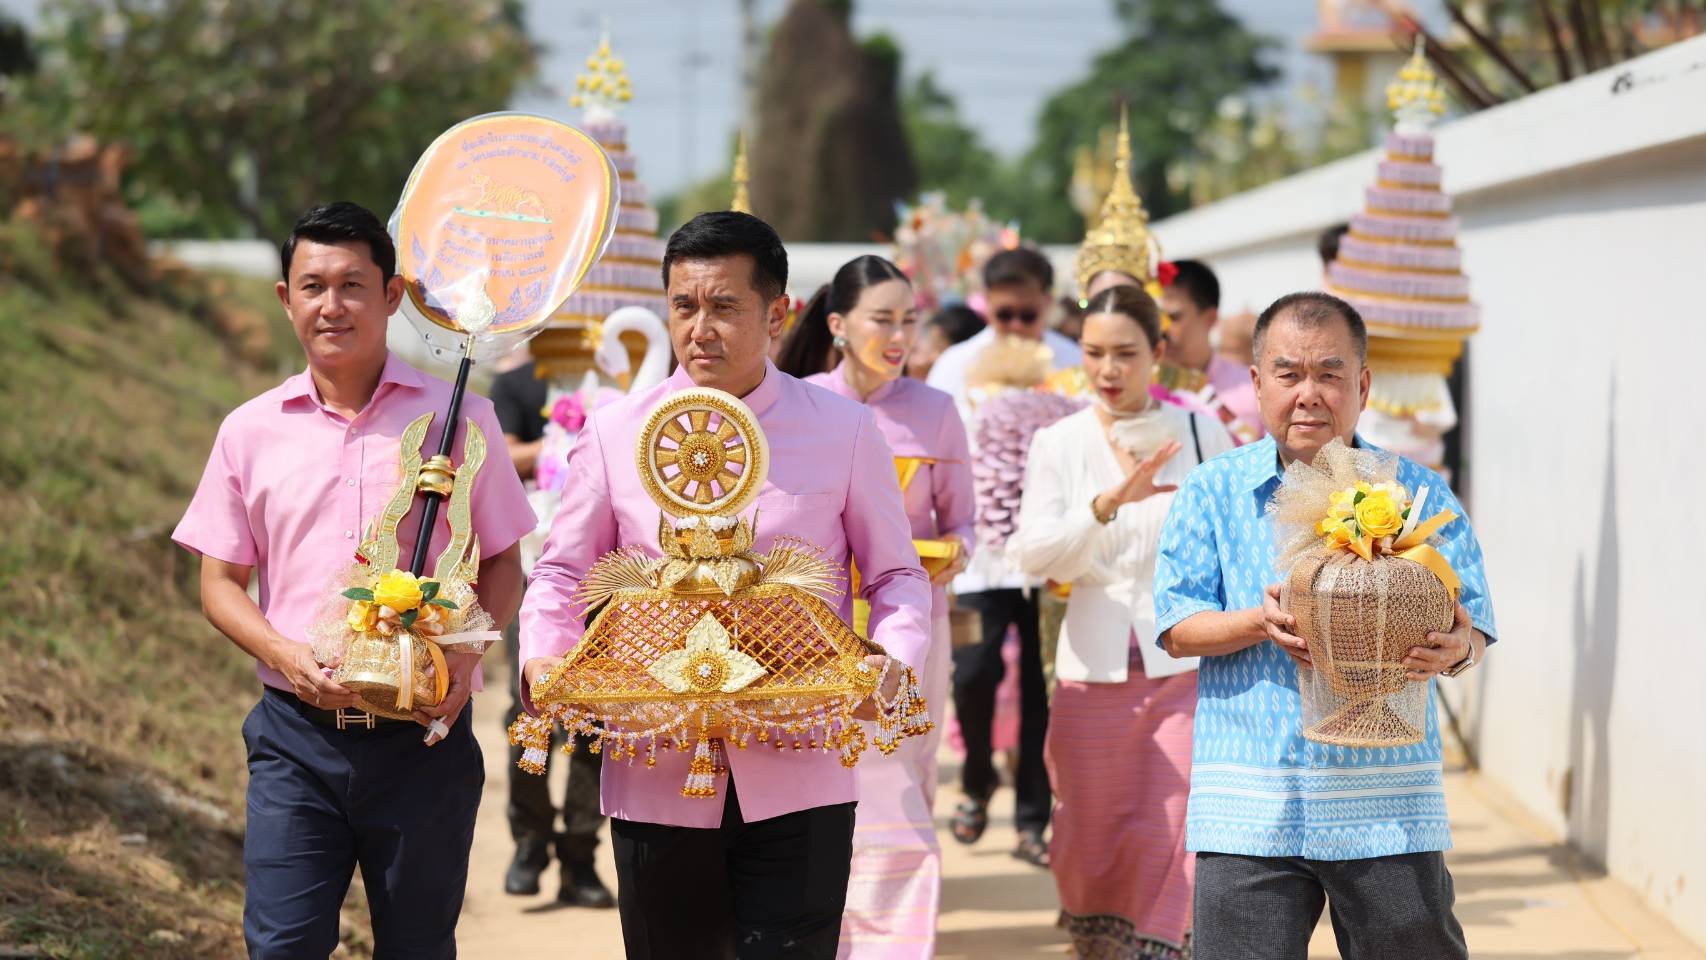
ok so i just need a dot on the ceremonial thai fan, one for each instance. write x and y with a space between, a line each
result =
1365 586
712 643
499 222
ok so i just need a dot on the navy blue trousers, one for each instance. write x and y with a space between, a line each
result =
324 801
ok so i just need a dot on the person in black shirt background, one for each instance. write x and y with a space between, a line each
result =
519 396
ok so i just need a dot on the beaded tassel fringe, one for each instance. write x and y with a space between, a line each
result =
702 772
533 735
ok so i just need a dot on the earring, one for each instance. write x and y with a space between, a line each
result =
840 342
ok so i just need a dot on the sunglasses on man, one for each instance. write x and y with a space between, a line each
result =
1010 315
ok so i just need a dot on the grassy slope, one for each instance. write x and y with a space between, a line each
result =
121 766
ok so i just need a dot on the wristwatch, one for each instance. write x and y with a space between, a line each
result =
1461 665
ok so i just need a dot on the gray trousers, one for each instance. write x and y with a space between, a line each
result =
1383 908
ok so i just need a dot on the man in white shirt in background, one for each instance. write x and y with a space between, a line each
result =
1018 285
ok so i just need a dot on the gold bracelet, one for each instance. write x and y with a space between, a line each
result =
1104 520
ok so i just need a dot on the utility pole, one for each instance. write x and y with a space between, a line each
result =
750 50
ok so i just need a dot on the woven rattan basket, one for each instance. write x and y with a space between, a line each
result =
1360 618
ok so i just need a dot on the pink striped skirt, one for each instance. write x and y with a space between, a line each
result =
1119 757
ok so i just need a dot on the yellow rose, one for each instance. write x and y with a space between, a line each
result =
1378 516
362 616
1342 504
1394 490
398 590
1336 531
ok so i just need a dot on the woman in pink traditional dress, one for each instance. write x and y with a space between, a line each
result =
867 316
1097 488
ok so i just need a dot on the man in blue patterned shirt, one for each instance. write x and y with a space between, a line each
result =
1282 825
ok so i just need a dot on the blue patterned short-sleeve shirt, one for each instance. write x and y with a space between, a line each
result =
1258 787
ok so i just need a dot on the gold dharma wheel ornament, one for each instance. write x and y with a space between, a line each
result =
701 453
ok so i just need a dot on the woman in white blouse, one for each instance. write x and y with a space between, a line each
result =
1097 487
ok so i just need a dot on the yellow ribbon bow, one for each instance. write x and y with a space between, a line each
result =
1413 546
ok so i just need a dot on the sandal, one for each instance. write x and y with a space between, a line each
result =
1032 849
970 819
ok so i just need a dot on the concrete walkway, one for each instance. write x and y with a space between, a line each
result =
1521 896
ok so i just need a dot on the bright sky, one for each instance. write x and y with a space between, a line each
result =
1000 58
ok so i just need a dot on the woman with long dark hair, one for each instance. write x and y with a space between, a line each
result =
1097 488
866 319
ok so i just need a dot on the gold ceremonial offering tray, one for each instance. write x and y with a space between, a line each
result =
711 642
935 555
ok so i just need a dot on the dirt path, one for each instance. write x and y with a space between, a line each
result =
1520 895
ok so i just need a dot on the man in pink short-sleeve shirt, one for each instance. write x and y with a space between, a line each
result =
761 869
295 478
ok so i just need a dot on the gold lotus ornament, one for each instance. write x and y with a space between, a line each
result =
708 663
711 642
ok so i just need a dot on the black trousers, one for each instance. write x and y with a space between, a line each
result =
324 801
744 891
1383 908
531 814
978 671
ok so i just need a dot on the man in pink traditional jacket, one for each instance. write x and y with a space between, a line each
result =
761 869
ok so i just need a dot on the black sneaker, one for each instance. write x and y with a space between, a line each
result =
582 888
531 859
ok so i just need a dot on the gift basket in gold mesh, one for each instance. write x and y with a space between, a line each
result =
710 643
1365 586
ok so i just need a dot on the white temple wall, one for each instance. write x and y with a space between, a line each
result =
1584 234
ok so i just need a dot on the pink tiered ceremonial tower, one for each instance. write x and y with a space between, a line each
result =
628 275
1400 266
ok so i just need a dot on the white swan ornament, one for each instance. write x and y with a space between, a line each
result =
612 357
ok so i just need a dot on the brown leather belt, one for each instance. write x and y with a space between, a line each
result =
343 718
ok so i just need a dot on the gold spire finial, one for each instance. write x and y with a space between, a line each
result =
604 86
1122 146
1120 239
742 203
1414 96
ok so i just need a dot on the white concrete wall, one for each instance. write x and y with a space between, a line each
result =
1584 233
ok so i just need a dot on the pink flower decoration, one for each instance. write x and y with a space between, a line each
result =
568 412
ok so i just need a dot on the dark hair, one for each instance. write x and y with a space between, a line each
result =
807 350
1020 266
1327 245
1311 309
958 323
1198 282
728 233
341 222
1132 303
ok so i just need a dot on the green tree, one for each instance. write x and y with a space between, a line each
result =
829 150
1515 47
242 113
1178 61
16 57
949 155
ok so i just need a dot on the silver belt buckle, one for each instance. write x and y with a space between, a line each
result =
347 718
